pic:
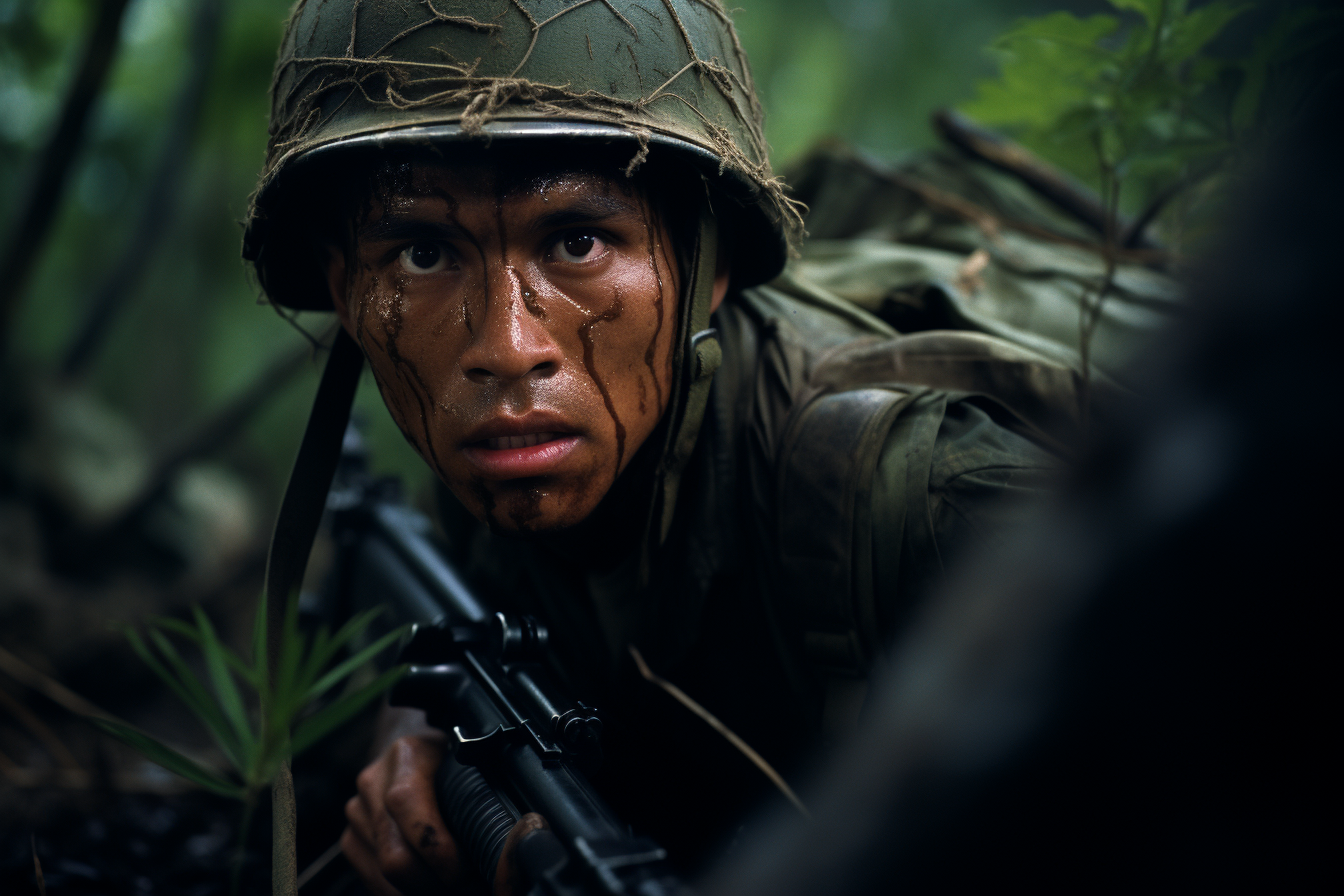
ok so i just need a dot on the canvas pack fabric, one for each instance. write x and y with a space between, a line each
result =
987 283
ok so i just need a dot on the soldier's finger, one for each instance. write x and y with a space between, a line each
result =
360 819
397 859
411 807
510 880
361 857
375 846
414 755
410 800
372 781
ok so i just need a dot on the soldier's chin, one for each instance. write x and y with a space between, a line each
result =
523 509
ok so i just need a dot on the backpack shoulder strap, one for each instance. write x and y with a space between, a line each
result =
824 497
865 396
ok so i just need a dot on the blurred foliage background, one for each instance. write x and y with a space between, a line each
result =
189 334
148 226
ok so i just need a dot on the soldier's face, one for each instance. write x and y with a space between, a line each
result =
520 328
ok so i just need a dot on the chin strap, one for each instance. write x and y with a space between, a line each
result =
306 494
295 527
698 356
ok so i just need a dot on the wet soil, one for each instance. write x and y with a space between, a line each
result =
106 843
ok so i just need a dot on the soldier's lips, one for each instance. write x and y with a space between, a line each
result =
515 456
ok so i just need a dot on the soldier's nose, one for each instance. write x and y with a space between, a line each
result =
509 338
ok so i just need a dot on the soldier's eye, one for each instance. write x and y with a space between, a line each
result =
577 248
424 258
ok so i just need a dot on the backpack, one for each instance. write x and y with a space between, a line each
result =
985 283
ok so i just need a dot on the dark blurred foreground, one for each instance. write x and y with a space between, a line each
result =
1135 694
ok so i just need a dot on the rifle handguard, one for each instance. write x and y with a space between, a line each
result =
478 818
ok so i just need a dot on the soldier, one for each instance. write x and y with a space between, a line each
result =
547 226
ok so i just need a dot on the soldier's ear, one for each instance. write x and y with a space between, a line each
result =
723 271
720 289
337 287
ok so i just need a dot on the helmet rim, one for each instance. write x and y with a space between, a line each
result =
760 261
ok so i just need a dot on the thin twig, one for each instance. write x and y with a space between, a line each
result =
1043 178
1090 310
53 163
319 863
759 761
208 436
988 222
40 730
160 199
37 867
44 684
1134 235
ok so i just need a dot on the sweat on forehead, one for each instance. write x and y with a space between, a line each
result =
452 184
506 170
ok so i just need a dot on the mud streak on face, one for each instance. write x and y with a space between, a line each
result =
406 371
453 206
482 493
393 401
670 263
586 337
651 351
531 509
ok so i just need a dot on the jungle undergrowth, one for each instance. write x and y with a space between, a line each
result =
260 714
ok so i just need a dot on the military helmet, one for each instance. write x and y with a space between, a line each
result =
661 76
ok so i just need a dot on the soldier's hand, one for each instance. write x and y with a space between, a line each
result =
397 841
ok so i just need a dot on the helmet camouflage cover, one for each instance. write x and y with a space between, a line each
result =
664 76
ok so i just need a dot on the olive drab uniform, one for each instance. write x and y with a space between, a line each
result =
839 463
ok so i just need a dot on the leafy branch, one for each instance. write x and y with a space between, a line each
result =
1136 105
1137 99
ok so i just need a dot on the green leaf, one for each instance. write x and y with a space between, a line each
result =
1192 32
177 626
1268 50
319 654
216 663
285 692
313 728
355 626
1048 67
170 759
260 673
344 669
1151 10
149 659
199 700
188 691
325 646
1065 29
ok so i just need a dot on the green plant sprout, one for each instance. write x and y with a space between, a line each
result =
257 735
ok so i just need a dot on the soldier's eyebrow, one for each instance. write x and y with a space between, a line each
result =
395 227
589 209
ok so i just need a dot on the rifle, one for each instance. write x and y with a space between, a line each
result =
519 743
